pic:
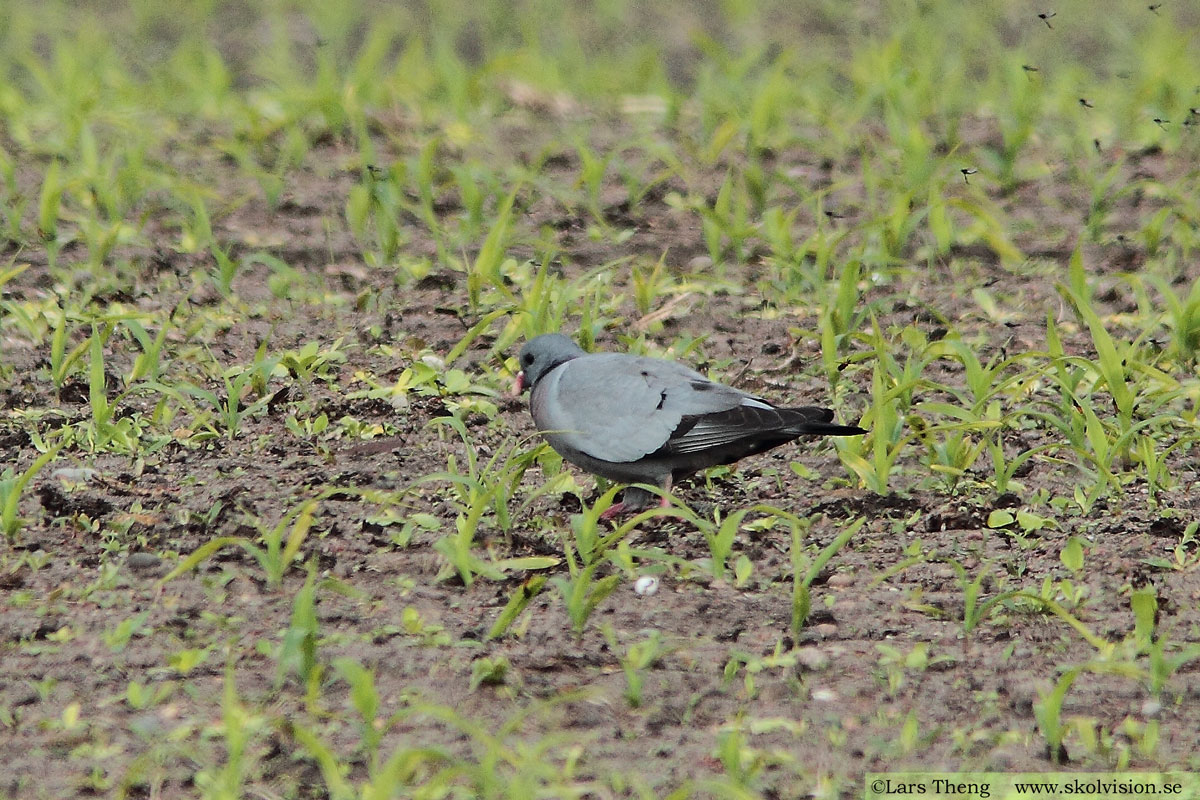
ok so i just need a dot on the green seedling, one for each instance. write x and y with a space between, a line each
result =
780 658
487 671
975 611
517 603
893 383
49 208
638 657
365 699
11 271
720 535
275 556
490 265
61 361
12 486
298 652
405 768
583 592
898 665
376 204
311 361
726 225
186 660
804 570
225 413
148 364
1048 711
592 169
139 696
648 285
487 486
103 430
239 728
118 638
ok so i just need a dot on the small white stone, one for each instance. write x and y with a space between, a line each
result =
824 695
75 475
811 658
646 585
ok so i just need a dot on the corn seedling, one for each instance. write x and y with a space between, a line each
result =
806 570
638 658
517 603
12 486
275 556
582 592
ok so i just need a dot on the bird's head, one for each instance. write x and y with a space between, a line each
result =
542 354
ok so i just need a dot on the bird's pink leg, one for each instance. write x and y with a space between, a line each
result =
665 500
616 509
612 511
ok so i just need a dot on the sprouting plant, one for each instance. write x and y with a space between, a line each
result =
592 168
378 202
239 726
1048 711
148 364
61 361
312 361
11 271
516 604
726 225
12 486
719 534
897 664
1183 318
806 570
975 610
104 430
638 657
892 386
487 671
274 555
484 486
298 652
582 592
487 269
224 413
648 284
50 208
365 699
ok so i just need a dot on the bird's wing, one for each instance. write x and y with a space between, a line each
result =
752 419
621 408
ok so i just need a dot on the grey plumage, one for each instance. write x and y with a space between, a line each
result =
634 419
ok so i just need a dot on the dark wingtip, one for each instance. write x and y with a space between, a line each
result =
819 422
835 430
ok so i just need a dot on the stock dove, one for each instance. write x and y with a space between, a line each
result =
635 419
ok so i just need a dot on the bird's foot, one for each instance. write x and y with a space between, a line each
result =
633 501
613 511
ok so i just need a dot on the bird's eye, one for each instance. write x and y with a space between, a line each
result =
527 359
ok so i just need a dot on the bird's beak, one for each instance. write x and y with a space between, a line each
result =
519 384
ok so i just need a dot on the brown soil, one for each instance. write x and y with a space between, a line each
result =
972 704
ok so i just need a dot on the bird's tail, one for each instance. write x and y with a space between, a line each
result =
814 421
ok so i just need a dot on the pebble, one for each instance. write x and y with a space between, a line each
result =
824 695
811 659
646 585
74 474
143 562
841 579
